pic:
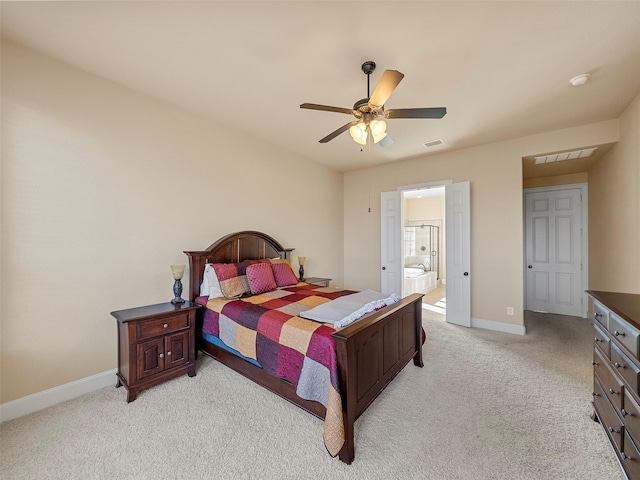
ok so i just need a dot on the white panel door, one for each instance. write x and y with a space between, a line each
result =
458 241
390 251
553 251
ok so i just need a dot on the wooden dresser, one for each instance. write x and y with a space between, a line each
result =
616 374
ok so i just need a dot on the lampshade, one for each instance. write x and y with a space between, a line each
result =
378 130
301 260
177 271
359 133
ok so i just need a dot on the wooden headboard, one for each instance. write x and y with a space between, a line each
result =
232 248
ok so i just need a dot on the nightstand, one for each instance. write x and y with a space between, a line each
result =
323 282
155 343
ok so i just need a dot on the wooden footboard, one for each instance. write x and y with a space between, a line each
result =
371 352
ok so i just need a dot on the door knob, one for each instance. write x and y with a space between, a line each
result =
529 266
466 274
384 268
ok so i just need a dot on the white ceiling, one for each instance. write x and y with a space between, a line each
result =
502 69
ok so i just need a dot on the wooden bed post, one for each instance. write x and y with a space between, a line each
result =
370 353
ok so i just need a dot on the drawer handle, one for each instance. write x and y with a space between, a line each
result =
168 353
595 394
624 412
624 456
162 355
612 391
613 430
619 334
597 340
596 315
619 365
165 325
593 362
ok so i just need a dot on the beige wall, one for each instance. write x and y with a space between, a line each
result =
103 188
495 174
555 180
431 208
614 211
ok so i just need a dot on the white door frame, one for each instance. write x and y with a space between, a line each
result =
584 214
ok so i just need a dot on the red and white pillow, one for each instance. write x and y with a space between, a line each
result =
260 277
284 275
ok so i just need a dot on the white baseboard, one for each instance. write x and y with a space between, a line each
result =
498 326
47 398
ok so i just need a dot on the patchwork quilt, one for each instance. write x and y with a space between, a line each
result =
267 328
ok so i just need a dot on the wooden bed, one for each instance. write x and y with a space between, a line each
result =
370 352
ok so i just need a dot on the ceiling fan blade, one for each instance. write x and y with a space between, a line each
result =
436 112
326 108
337 132
387 84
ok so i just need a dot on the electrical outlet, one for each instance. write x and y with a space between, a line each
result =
509 310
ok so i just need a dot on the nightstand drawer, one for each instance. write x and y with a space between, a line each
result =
153 328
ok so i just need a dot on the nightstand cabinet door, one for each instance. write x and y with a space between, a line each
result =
150 357
176 350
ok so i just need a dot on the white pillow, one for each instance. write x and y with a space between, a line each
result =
210 280
204 286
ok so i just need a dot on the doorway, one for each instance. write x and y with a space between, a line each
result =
458 246
424 246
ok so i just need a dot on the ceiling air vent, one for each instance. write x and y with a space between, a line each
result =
433 143
559 157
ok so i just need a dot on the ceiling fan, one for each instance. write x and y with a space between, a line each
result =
369 109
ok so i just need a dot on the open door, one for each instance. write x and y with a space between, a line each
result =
458 256
390 250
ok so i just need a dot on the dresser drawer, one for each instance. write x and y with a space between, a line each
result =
162 326
611 384
630 457
607 414
601 340
631 415
625 367
601 315
624 333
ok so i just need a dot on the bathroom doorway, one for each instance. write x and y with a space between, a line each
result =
424 243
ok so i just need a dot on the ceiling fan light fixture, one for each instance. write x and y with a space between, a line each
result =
359 133
378 130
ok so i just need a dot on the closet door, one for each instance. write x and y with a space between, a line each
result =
553 251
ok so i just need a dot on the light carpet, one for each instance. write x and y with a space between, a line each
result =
486 405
